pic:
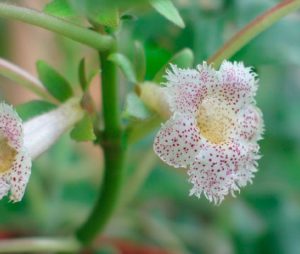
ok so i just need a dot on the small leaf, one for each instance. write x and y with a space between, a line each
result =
167 9
107 16
98 12
55 83
34 108
183 59
82 75
135 107
59 8
139 61
125 65
92 75
84 130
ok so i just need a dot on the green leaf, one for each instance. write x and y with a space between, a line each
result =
183 59
167 9
98 12
85 76
90 5
107 16
125 65
135 107
34 108
139 61
82 75
156 57
59 8
55 83
84 130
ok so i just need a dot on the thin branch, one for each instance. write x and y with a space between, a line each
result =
254 28
57 25
20 76
39 244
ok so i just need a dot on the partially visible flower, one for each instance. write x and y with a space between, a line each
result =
19 143
214 127
15 163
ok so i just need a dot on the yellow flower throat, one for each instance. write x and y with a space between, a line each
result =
7 155
214 120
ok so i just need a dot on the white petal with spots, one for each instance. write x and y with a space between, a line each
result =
185 88
4 188
15 163
177 142
238 84
19 176
11 126
247 166
249 124
218 170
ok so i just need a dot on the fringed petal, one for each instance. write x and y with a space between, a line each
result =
220 169
4 188
177 142
19 176
11 126
238 84
249 124
185 88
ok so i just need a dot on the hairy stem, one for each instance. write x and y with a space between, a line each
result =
114 147
57 25
254 28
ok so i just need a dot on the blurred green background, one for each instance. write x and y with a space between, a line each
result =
156 212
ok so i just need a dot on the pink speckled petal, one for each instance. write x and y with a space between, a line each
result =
4 188
185 88
177 142
220 169
11 126
238 84
248 165
249 124
19 176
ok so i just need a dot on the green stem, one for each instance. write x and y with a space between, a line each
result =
39 245
110 98
114 147
23 78
57 25
253 29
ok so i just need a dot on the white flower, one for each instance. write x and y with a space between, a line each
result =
15 163
19 143
214 127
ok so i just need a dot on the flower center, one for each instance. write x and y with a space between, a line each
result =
215 119
7 155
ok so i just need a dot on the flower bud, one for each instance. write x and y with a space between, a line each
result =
154 97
